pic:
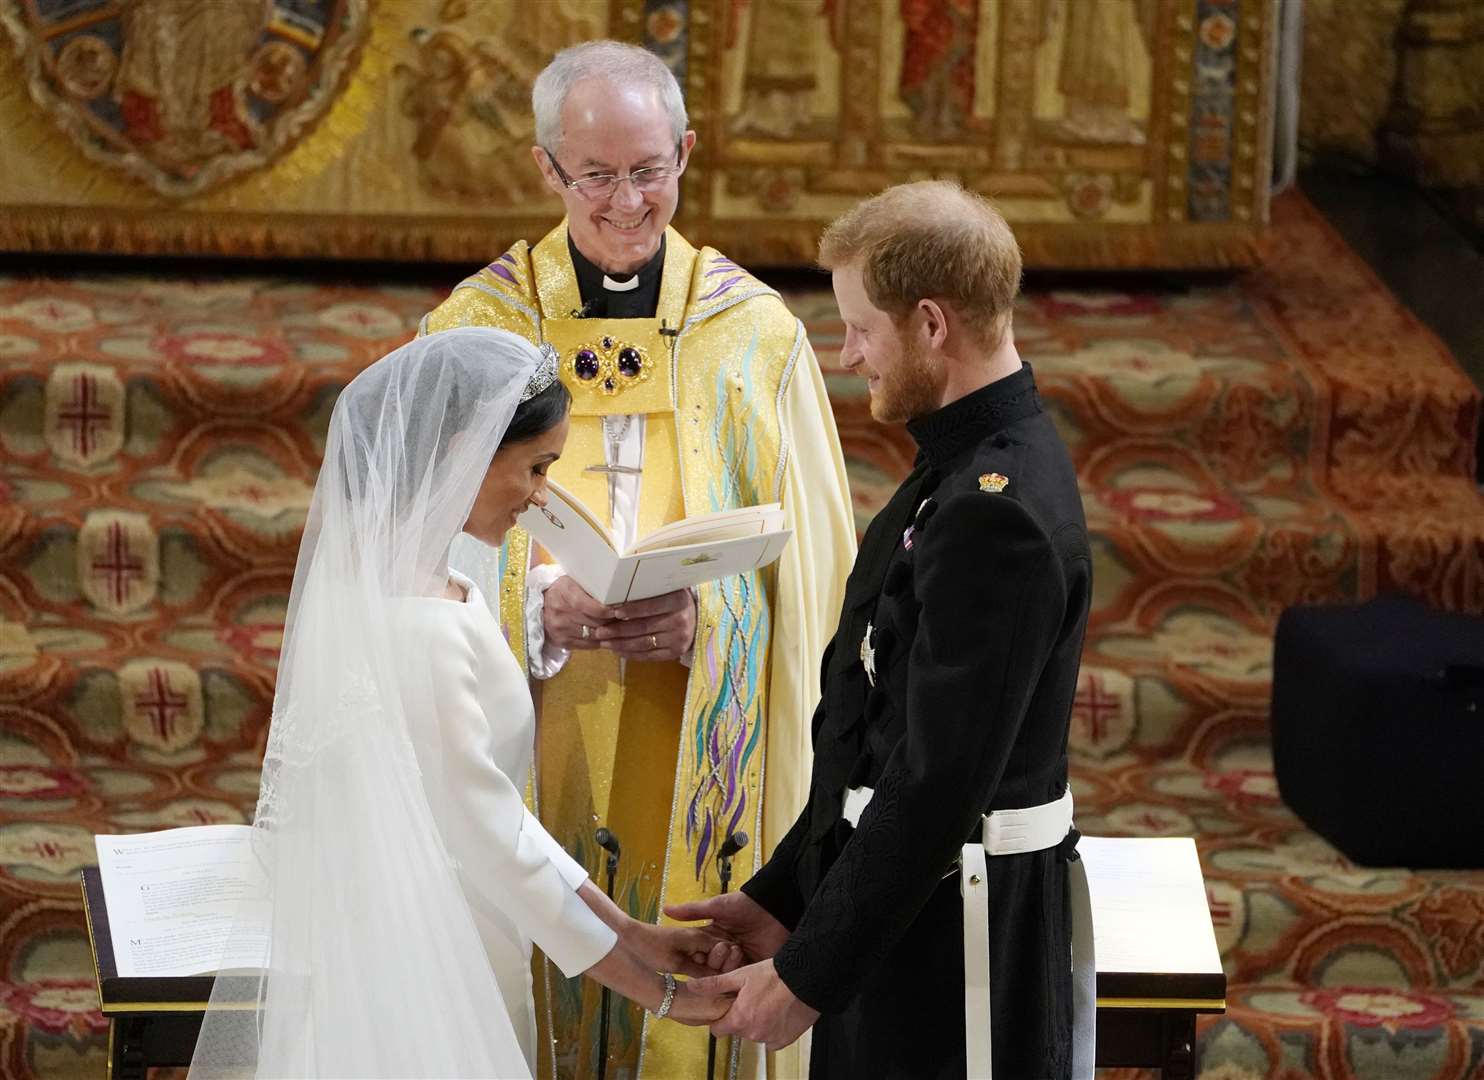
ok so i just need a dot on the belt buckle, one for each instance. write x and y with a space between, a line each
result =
958 861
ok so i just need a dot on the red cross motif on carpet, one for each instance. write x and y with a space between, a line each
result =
162 704
118 561
52 849
1228 912
84 413
1221 910
53 316
48 850
164 707
119 567
80 415
1102 713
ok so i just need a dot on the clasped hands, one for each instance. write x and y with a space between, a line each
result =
730 964
660 628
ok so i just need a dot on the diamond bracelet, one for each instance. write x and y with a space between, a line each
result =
669 999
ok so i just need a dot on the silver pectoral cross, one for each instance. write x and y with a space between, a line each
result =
868 654
614 440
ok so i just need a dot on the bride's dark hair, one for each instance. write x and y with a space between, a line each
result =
542 413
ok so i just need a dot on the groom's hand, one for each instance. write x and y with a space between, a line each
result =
567 608
765 1011
740 918
660 628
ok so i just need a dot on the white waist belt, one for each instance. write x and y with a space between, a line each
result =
1015 832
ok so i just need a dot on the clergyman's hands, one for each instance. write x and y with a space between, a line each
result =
765 1009
660 628
740 918
568 607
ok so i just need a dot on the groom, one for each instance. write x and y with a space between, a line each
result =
947 692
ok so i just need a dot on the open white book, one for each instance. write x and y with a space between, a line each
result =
184 901
675 556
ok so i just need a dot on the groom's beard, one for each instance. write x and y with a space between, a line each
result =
910 388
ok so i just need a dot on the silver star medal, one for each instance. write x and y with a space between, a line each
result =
868 654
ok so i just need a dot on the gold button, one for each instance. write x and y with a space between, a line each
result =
974 879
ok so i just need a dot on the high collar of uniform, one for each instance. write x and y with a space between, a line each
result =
944 434
591 278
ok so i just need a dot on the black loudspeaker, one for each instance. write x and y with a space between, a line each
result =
1378 730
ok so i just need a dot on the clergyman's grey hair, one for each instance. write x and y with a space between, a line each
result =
611 61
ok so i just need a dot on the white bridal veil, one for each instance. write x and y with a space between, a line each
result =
375 967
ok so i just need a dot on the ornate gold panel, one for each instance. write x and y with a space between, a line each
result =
1112 133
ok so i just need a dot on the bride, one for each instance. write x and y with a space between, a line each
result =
408 879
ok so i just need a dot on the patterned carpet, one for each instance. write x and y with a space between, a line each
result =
1285 437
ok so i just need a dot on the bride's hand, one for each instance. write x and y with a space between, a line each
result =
686 950
695 1009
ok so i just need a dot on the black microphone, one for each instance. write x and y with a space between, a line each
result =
734 843
609 843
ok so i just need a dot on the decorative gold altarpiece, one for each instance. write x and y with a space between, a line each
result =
1111 132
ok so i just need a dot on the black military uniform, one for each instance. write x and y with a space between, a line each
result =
948 689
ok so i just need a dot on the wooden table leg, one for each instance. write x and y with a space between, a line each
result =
1179 1049
126 1049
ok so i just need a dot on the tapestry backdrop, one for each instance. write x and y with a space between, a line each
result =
1115 133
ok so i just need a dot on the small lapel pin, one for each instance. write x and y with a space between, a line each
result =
993 482
919 519
868 654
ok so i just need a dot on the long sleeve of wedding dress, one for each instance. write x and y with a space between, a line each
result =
519 882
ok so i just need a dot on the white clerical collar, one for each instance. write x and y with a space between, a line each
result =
621 286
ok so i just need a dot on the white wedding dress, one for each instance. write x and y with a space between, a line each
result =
520 884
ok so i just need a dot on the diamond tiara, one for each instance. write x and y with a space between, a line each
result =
545 373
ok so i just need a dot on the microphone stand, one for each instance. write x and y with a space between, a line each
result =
609 843
733 844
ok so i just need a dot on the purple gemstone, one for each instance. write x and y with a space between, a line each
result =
585 364
630 363
607 343
608 384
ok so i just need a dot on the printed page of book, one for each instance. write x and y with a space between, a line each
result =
185 901
1149 910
